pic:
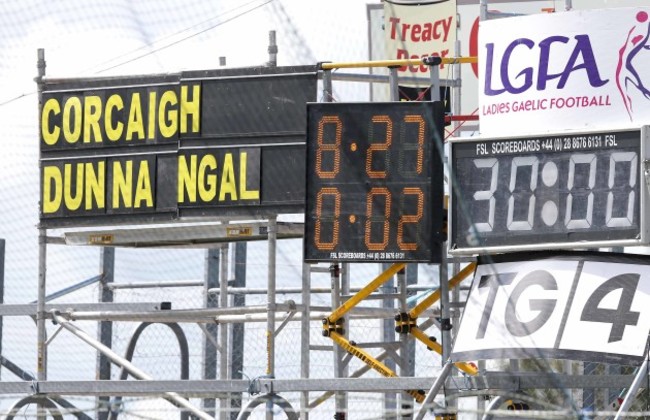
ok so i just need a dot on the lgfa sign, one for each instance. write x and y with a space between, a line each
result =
567 70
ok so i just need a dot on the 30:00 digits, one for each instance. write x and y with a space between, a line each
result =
569 191
390 144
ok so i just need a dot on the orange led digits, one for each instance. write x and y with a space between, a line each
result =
413 218
334 219
382 218
329 147
374 182
379 147
406 146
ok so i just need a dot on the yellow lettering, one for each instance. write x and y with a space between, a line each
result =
50 137
152 115
122 184
72 109
208 186
245 194
135 124
143 186
168 118
228 182
186 179
52 189
92 114
95 185
113 132
73 202
191 108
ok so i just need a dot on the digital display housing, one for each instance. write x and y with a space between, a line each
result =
374 182
552 191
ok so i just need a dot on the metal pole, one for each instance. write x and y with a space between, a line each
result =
641 376
304 338
344 276
125 364
270 323
237 338
2 284
445 321
211 280
388 327
273 50
393 83
339 397
327 86
340 402
105 333
388 335
406 365
41 333
440 380
483 14
41 346
223 329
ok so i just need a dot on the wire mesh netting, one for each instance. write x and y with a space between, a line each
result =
110 38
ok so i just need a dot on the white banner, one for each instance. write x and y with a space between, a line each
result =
418 30
579 305
571 70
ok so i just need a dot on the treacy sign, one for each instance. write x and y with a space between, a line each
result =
570 70
415 30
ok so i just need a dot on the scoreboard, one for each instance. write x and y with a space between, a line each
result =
569 190
375 185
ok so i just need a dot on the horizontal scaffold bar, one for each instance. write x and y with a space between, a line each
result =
393 63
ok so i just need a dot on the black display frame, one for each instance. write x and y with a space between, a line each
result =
546 147
353 181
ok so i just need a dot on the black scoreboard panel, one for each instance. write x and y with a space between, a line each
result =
374 182
570 190
227 143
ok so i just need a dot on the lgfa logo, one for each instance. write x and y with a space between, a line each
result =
581 60
575 56
631 70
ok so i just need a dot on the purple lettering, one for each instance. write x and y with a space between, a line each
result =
581 58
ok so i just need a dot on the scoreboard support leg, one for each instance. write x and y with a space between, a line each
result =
641 376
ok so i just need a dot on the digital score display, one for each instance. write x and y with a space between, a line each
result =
570 190
374 182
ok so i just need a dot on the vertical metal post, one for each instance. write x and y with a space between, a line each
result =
340 402
457 85
433 391
483 11
568 5
434 74
41 333
105 332
273 50
2 283
270 323
237 341
388 336
343 369
211 281
223 328
304 338
641 375
406 366
327 86
445 321
393 83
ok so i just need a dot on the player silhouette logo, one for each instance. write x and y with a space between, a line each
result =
630 83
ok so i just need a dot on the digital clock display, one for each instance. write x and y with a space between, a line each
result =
374 182
577 190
